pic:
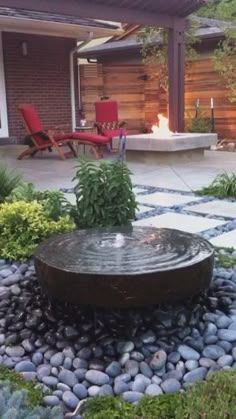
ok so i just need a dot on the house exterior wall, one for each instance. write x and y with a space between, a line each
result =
41 78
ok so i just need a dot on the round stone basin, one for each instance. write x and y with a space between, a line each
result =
124 266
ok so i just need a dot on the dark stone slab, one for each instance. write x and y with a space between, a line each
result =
124 266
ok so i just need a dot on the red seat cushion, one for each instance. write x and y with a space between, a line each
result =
111 133
82 136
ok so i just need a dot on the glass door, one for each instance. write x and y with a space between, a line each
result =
3 104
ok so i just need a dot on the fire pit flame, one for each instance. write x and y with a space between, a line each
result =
163 129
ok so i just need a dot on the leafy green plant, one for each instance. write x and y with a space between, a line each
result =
9 180
224 185
23 225
200 123
211 399
53 201
104 195
14 405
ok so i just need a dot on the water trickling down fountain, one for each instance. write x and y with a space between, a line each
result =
124 266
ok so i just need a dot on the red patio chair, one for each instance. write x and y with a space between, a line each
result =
40 138
107 120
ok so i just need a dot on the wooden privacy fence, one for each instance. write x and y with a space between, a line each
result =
135 89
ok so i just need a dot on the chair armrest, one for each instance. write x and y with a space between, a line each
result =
122 124
43 134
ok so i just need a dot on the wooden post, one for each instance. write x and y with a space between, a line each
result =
176 68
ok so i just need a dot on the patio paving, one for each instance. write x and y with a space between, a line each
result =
222 208
188 223
225 240
166 199
167 189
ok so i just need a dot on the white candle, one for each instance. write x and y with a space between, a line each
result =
198 103
212 103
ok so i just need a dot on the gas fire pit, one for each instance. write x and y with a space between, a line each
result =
150 148
124 267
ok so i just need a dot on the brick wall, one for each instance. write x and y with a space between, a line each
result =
42 78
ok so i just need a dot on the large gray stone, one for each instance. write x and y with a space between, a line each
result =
70 400
188 353
68 377
132 396
228 335
153 390
98 378
195 375
213 352
15 351
158 360
26 366
171 385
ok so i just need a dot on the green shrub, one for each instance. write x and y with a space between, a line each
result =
53 201
23 225
9 180
14 405
211 399
104 195
224 185
200 123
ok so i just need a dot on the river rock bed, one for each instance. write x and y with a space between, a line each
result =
77 353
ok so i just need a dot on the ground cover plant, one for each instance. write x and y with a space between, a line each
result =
211 399
14 405
223 186
104 195
34 393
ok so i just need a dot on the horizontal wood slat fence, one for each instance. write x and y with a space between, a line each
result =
140 101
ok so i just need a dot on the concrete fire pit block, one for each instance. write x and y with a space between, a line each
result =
147 148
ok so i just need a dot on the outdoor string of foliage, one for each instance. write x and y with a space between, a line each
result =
9 180
104 195
23 225
13 405
223 186
211 399
154 50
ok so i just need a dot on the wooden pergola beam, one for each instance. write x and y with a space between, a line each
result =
83 8
176 72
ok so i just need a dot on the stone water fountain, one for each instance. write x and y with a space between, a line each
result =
124 266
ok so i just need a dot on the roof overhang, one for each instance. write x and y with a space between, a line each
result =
148 12
40 27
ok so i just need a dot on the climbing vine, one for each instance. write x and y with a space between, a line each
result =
154 50
225 63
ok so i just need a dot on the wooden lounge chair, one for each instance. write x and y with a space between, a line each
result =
39 138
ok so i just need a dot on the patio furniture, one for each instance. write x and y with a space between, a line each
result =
107 120
40 138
